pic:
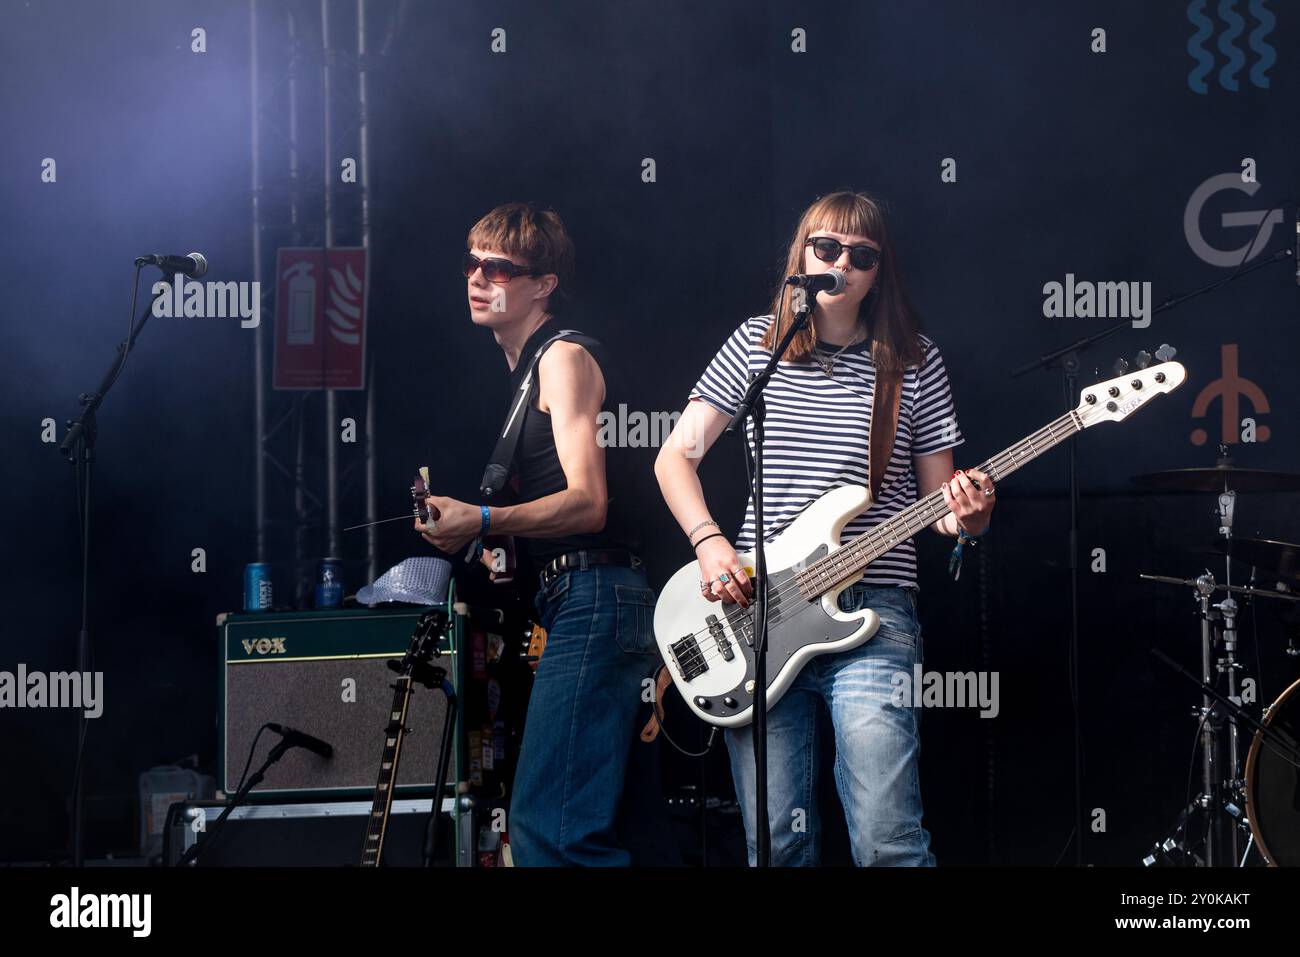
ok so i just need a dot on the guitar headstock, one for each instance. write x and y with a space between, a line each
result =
420 497
1116 399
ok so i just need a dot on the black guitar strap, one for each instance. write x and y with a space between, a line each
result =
497 474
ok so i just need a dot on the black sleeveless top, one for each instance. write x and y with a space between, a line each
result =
537 466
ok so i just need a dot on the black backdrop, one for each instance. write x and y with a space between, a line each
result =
1068 160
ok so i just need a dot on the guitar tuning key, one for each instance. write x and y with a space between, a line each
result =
1142 359
1166 352
1120 366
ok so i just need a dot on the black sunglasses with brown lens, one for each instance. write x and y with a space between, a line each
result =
495 269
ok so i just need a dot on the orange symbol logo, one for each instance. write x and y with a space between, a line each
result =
1229 388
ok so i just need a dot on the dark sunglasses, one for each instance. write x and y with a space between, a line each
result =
828 250
494 269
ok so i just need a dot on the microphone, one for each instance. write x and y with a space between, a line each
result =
297 739
832 280
192 265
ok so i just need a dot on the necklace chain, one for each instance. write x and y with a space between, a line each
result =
828 364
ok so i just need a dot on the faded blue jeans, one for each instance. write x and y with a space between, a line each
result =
582 717
876 747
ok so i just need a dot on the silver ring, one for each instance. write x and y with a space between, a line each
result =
989 490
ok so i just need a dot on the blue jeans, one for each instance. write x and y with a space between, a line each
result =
876 747
582 717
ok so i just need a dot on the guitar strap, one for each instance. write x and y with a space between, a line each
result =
888 393
496 476
662 684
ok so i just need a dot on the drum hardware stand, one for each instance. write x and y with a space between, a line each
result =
1228 806
1220 797
1220 785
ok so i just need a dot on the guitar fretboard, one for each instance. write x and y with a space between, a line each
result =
849 561
377 823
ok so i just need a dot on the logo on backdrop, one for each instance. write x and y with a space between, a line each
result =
1234 26
1247 221
1229 389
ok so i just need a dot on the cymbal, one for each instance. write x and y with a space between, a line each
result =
1219 479
1280 558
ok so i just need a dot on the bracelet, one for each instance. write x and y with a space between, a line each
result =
706 538
486 514
954 560
700 526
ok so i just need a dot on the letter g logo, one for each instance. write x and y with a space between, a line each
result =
1192 221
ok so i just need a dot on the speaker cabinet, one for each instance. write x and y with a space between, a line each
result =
325 673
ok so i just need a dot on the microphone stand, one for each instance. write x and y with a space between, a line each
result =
433 678
1068 358
191 856
752 403
78 447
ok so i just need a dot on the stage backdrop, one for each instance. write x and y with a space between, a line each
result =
1051 171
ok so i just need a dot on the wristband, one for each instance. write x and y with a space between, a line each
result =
702 525
706 538
954 561
486 514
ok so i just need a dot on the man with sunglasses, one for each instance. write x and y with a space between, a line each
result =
572 528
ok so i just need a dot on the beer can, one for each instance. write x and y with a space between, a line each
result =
257 586
329 583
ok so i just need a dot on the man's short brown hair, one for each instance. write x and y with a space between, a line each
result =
537 235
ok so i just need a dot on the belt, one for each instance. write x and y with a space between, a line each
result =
581 561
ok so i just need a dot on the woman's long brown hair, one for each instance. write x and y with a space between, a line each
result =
887 312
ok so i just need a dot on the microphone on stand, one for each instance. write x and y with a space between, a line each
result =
297 739
832 281
192 265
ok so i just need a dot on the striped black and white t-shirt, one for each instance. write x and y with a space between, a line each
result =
816 430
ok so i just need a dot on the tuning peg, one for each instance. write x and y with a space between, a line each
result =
1166 352
1120 366
1142 359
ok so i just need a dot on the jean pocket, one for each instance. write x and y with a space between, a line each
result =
551 593
898 627
634 628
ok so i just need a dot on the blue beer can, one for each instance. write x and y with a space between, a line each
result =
329 583
257 586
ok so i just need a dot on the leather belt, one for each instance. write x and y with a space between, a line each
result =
582 560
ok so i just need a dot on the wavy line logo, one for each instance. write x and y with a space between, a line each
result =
1234 58
344 310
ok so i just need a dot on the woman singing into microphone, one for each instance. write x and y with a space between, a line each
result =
819 408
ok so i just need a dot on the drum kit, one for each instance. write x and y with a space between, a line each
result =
1258 807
